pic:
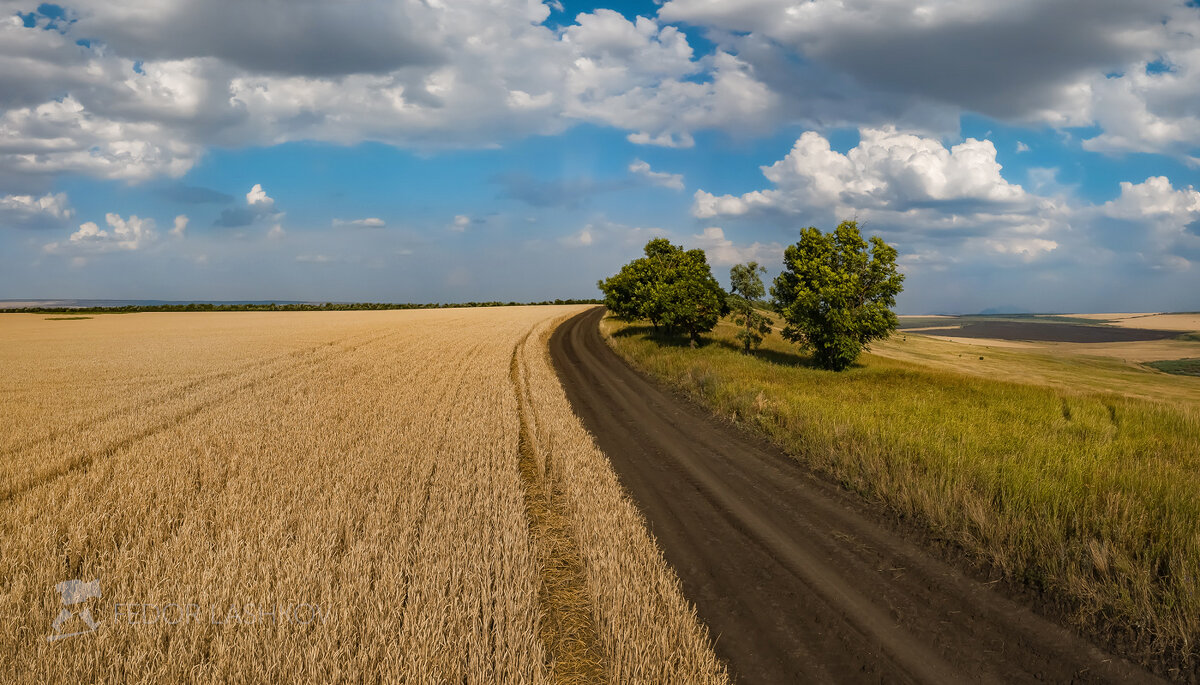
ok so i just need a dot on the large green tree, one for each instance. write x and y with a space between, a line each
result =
745 296
836 293
672 288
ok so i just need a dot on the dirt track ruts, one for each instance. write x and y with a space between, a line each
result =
795 580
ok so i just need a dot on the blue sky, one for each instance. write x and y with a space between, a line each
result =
1023 156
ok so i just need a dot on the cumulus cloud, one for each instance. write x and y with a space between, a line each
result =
460 223
583 238
1165 221
179 230
934 202
154 84
1026 61
258 198
660 178
137 90
30 211
129 234
945 206
722 251
1027 249
887 170
259 208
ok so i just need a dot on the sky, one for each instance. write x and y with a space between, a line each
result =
1038 155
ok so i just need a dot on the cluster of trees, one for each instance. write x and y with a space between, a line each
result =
274 307
670 287
835 293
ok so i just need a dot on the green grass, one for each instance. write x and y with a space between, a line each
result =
1091 498
1179 367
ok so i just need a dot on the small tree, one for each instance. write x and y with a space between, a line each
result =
836 295
746 293
671 287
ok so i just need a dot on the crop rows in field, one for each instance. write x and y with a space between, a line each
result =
373 467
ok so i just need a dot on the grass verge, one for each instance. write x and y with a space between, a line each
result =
1089 499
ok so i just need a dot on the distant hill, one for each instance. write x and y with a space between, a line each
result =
993 311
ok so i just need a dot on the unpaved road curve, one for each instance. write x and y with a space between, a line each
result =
796 582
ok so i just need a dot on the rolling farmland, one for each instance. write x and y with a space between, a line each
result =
357 496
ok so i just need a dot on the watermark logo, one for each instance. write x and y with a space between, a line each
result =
75 592
76 616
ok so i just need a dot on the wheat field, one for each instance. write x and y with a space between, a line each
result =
395 496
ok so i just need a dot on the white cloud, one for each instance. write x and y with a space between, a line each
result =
33 211
460 223
258 198
369 222
939 205
129 234
722 251
1131 68
1155 198
180 228
660 178
314 258
1022 147
276 232
1167 219
887 170
1026 248
675 140
161 81
583 238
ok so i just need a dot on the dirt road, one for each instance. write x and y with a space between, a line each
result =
795 580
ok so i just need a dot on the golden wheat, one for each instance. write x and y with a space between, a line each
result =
319 496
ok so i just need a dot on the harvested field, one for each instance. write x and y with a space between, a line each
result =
398 496
1175 322
1050 332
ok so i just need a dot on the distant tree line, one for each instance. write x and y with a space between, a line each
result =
272 307
835 294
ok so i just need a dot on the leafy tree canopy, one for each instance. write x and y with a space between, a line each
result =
836 293
671 287
746 293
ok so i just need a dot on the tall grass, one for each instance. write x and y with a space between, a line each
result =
1091 499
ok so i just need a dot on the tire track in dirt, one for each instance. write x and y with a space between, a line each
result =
796 580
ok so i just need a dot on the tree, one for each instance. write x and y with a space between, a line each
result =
836 294
671 287
746 293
